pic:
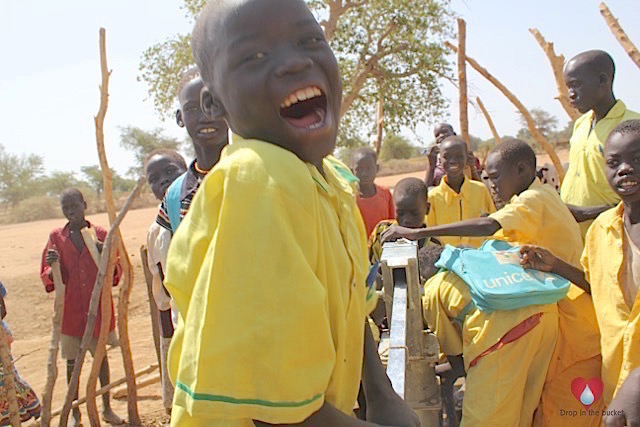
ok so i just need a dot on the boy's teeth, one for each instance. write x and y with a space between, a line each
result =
208 130
301 95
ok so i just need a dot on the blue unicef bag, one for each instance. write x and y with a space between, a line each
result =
497 281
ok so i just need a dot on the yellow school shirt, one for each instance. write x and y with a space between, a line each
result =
268 272
537 216
603 262
585 183
447 206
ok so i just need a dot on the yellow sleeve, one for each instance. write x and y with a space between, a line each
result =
446 302
431 215
255 341
584 259
521 219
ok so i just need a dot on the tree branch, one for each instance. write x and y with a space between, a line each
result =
494 132
619 34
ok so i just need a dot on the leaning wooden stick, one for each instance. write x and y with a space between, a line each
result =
9 378
619 34
557 66
494 132
127 277
463 100
101 344
52 364
531 124
93 305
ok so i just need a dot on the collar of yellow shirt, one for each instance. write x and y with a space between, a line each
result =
449 193
616 112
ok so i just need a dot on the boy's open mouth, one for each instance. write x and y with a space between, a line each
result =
627 185
305 108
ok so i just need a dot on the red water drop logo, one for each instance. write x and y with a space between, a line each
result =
587 391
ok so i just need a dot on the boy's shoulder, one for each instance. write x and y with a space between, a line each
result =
606 220
477 187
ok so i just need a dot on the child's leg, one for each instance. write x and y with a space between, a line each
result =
504 387
71 363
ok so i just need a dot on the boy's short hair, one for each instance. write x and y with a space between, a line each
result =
625 128
189 75
167 152
598 61
413 187
71 192
513 150
363 152
455 139
427 257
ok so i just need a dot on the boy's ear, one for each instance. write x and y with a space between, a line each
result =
428 207
210 105
84 203
179 120
377 168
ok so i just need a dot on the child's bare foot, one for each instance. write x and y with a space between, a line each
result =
110 417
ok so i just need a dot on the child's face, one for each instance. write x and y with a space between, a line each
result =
276 78
203 130
73 208
365 168
453 157
410 211
161 172
505 179
584 85
622 160
442 131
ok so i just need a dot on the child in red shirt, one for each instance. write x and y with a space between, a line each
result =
375 202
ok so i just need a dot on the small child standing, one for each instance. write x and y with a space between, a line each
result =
375 202
457 198
28 403
161 168
79 271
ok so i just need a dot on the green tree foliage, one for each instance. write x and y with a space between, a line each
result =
141 143
19 175
56 182
93 176
397 147
388 48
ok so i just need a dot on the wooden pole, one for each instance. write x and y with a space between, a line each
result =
494 132
108 388
52 363
101 345
9 379
557 66
463 99
122 392
127 277
153 308
93 304
619 34
531 124
379 124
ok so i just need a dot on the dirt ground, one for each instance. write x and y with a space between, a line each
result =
30 307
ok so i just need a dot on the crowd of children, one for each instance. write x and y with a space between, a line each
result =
259 252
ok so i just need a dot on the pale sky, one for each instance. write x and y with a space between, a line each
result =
50 73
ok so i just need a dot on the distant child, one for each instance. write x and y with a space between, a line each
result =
28 403
457 198
611 261
411 207
536 215
435 170
268 268
161 168
375 202
506 353
79 271
209 137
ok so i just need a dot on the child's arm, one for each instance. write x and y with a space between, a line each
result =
327 415
432 156
537 258
586 213
625 408
476 227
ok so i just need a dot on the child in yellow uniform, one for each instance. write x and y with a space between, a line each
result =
611 261
536 215
411 207
457 198
511 350
268 267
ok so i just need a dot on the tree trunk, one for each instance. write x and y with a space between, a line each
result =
463 99
619 34
557 66
540 139
494 132
379 124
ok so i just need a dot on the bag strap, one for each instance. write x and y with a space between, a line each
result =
174 203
